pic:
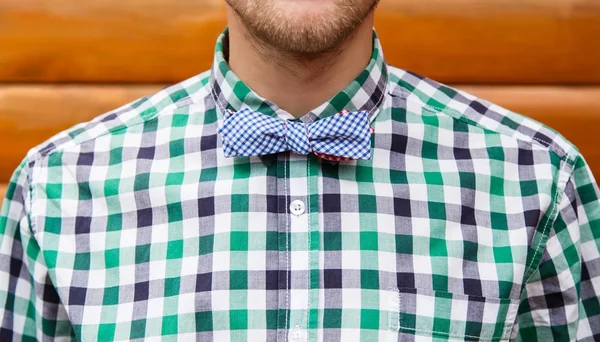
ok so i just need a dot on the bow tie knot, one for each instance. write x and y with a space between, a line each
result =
297 137
343 136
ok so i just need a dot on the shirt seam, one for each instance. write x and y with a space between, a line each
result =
36 153
401 92
27 193
545 233
308 212
287 252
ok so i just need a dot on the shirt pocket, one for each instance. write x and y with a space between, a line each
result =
445 316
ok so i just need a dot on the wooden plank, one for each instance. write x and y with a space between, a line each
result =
497 41
3 191
31 114
459 41
107 40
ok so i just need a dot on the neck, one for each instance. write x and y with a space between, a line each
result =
297 84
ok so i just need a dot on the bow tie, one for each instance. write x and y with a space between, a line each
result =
340 137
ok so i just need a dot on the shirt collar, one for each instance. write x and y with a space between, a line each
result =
365 92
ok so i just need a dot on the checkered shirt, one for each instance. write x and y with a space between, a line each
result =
469 222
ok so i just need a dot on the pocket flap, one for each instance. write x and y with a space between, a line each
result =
451 315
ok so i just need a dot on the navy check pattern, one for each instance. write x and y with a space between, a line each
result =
249 133
468 222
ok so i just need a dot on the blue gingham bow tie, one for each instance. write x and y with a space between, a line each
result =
343 136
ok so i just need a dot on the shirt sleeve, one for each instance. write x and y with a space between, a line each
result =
30 308
561 301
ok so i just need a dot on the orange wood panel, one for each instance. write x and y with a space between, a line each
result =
2 191
107 40
31 114
459 41
494 41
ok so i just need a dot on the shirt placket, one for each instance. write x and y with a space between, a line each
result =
315 310
297 219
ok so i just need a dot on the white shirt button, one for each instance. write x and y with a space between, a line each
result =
297 334
297 207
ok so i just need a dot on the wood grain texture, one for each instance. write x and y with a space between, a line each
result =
494 41
107 40
3 187
459 41
31 114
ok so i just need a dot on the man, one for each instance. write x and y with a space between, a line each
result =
302 190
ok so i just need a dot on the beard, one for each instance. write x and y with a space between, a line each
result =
302 27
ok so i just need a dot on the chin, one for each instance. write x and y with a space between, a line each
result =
302 27
305 3
306 9
307 14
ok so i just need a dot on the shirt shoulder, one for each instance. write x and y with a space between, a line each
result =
481 113
132 114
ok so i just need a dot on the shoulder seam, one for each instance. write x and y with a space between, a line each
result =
35 154
551 146
26 166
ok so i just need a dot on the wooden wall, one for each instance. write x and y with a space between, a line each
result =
63 62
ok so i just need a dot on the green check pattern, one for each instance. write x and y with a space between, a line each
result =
470 222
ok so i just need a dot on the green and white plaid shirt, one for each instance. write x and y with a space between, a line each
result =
470 222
